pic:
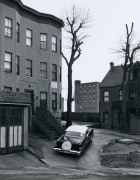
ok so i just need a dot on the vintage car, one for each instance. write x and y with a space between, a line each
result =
74 140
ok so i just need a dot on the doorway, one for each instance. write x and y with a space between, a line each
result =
11 129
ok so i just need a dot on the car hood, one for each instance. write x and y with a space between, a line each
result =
72 139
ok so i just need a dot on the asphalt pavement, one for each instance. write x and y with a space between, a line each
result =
32 160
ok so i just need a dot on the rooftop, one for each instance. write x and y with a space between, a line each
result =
27 9
113 77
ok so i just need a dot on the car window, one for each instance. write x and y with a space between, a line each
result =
74 134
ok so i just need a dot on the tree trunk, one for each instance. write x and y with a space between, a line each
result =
123 123
69 101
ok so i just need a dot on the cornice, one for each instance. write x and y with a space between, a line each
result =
35 13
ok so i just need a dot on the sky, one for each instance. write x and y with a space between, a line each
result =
107 32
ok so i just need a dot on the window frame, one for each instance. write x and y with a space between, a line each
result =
60 103
17 65
60 46
7 88
54 72
54 43
18 32
106 96
42 71
43 43
120 94
8 29
29 37
60 73
29 68
8 62
132 95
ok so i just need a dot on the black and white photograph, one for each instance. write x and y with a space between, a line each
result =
69 89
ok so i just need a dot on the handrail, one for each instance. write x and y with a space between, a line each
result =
49 119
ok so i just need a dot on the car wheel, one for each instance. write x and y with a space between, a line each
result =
66 145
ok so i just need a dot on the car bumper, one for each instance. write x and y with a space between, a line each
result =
67 151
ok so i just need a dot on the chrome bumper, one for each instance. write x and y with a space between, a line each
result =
67 151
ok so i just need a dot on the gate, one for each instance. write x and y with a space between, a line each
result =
11 129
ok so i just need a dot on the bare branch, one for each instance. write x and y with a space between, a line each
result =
64 58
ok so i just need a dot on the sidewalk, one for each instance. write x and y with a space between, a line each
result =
19 161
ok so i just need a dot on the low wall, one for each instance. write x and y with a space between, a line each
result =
129 158
82 117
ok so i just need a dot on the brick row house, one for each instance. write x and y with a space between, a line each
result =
30 63
111 99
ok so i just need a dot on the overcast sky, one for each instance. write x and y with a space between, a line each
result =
106 33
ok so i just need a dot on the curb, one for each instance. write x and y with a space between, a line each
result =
29 150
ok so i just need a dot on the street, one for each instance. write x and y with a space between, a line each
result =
52 177
64 166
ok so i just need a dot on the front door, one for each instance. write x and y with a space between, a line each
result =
116 119
11 129
43 99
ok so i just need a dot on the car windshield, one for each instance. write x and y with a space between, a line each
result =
74 134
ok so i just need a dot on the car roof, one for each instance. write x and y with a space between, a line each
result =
77 128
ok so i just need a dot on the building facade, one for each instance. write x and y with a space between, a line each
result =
87 97
30 54
111 100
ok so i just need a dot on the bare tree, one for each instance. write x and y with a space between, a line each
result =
76 21
129 51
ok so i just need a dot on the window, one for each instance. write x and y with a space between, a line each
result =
8 27
54 44
43 41
54 72
60 46
17 65
60 74
8 62
106 96
54 101
28 37
120 95
60 101
43 70
43 99
105 117
7 88
18 32
28 67
132 95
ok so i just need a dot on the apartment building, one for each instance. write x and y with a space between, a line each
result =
30 53
30 63
86 97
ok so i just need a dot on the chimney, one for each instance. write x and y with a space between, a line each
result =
111 66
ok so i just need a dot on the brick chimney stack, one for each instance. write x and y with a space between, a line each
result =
111 66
